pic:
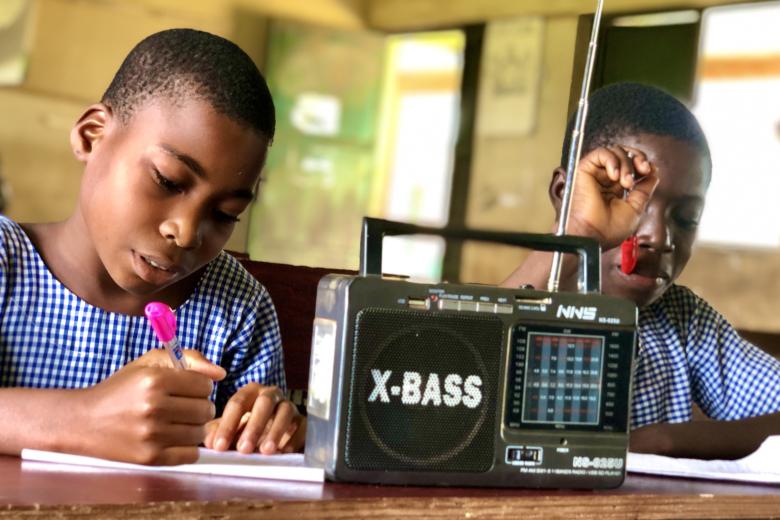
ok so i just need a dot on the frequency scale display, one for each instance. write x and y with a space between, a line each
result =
563 378
566 378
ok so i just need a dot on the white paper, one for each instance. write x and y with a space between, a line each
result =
763 465
210 462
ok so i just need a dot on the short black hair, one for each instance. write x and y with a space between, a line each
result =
620 109
186 63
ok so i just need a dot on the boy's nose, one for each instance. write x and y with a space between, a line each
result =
656 234
185 232
659 238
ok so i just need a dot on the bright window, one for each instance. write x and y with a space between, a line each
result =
421 108
738 104
366 125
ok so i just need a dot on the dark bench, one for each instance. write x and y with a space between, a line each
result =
768 341
293 289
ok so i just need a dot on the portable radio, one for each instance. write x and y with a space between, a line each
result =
470 385
454 384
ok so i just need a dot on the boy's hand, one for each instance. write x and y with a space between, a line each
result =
258 418
598 206
195 361
148 415
705 439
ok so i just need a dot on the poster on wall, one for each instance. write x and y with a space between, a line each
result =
15 22
510 77
326 87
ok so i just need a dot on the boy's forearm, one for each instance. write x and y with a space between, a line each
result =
44 419
706 439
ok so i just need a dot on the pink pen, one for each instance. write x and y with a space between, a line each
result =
163 321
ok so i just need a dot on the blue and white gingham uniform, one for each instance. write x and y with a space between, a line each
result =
51 338
690 353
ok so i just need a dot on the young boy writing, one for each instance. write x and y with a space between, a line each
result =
172 156
642 141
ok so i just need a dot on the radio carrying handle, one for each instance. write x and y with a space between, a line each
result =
588 249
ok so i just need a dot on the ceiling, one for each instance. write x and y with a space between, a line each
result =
409 15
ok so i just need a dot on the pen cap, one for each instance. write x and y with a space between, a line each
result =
162 319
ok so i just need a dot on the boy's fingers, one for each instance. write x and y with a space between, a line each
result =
197 362
177 455
183 435
187 383
154 357
230 422
266 429
282 421
159 357
641 167
603 165
286 436
211 432
186 410
171 436
298 438
627 172
291 431
639 197
642 164
262 411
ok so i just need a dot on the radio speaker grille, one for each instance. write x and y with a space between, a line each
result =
423 392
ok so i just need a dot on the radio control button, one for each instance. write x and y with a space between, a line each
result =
448 305
468 306
504 308
486 307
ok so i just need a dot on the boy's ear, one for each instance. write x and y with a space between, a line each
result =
89 130
555 191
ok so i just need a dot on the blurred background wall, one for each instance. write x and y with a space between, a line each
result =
440 112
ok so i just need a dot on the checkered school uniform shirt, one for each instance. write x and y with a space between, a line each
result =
51 338
690 353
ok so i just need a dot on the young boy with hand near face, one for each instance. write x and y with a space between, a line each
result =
644 171
172 156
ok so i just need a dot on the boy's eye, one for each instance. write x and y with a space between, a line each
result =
166 183
688 224
226 218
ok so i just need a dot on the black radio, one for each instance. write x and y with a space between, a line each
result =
455 384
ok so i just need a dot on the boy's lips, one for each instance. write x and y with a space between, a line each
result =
155 269
162 265
645 277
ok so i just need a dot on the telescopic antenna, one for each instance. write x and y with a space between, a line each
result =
575 147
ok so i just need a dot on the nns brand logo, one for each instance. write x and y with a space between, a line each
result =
457 391
573 311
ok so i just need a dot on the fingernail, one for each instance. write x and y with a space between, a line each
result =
269 447
245 446
221 444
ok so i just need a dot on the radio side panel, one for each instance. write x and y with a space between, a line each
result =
330 335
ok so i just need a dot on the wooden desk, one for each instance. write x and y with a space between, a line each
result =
46 490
